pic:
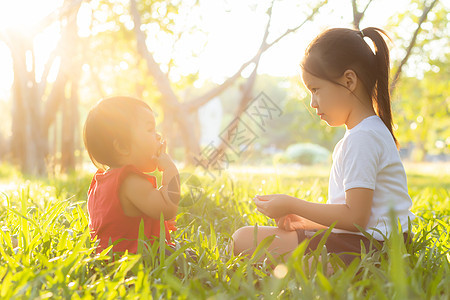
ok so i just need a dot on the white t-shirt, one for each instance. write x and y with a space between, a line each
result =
367 157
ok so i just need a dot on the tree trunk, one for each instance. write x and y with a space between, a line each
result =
26 141
171 103
246 97
69 132
18 120
70 121
3 146
30 122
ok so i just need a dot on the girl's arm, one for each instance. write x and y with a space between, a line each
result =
356 210
313 225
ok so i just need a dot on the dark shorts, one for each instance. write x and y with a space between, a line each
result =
341 243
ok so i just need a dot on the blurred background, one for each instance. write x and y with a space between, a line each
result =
202 65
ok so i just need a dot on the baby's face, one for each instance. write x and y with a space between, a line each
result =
145 141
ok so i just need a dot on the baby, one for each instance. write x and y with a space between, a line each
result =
122 142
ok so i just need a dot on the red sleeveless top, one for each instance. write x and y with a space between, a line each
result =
107 219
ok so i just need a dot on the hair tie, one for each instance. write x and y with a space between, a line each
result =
362 33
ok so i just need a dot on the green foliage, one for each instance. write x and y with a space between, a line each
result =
9 171
55 257
302 123
421 106
304 153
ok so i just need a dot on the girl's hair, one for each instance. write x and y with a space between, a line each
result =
110 119
336 50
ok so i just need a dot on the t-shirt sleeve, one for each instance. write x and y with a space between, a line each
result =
361 158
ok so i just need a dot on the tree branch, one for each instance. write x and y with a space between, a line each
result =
411 45
56 96
309 18
202 100
194 104
161 79
47 67
64 11
357 15
367 6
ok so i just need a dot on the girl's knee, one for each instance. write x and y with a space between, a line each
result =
329 268
14 242
242 239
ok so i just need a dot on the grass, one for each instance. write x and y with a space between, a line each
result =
56 259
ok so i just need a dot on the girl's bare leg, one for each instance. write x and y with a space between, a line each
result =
14 242
284 242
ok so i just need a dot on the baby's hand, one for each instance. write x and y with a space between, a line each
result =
163 160
162 148
171 224
291 222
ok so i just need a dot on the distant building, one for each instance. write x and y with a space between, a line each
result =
210 117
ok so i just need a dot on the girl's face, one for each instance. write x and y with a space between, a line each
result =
331 101
145 141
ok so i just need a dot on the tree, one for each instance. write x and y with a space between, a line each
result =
33 111
172 104
421 104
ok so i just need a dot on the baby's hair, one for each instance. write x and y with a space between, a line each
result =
110 119
336 50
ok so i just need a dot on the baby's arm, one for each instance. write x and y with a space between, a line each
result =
149 200
170 184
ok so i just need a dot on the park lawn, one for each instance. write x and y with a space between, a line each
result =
55 257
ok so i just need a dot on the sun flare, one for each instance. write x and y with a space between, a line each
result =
24 14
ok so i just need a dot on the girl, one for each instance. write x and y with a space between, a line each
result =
120 137
349 86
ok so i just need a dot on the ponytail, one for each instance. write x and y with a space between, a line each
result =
381 97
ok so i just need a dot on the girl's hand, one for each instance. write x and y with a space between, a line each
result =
291 222
274 206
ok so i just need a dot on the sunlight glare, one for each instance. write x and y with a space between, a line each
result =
6 72
29 61
280 271
84 20
24 14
